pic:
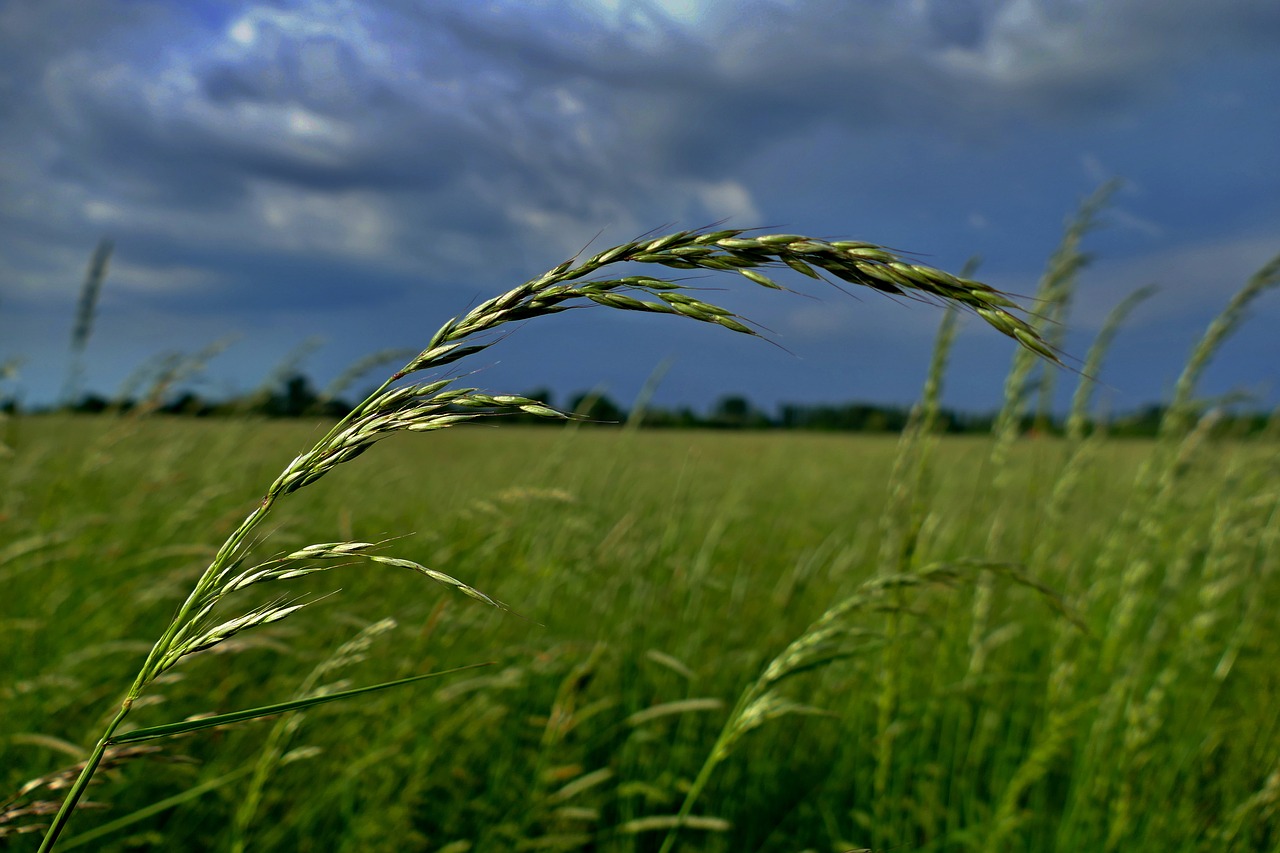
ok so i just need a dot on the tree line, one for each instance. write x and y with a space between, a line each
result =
296 396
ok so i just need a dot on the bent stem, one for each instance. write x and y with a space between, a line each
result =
396 407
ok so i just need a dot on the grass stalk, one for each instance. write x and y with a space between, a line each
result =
1181 409
1078 415
86 312
200 622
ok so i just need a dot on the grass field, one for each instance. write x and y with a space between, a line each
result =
654 576
712 641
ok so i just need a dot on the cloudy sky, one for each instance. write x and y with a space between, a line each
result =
357 172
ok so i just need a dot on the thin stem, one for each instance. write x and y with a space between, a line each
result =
86 774
695 791
150 669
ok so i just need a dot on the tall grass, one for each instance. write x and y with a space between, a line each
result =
211 615
729 642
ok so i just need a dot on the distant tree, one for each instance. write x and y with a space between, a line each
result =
91 404
295 398
656 417
736 412
596 407
543 395
1144 422
847 417
187 403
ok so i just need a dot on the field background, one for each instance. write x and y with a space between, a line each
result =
654 575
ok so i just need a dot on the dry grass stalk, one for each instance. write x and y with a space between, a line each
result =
24 811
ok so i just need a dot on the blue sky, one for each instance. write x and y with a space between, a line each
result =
358 172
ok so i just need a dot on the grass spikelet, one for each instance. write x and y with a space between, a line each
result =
86 312
358 368
1262 809
1052 300
145 391
1181 408
284 370
1079 411
1053 742
670 709
674 822
1082 449
1058 287
902 516
673 664
1180 444
24 811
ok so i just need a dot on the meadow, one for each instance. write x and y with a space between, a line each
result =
654 575
716 641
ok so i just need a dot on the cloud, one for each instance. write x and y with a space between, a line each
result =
1194 280
577 110
1067 57
251 155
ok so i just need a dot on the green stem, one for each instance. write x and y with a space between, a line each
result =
86 774
155 658
149 670
669 843
713 761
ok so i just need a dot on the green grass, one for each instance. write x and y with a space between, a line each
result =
652 568
715 641
215 612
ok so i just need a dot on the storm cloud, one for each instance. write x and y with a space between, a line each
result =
361 164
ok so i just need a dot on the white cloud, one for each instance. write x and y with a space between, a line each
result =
159 279
351 223
1193 280
728 200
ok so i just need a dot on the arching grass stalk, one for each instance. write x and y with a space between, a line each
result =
201 623
1181 412
834 636
1077 419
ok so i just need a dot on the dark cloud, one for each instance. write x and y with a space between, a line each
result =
249 156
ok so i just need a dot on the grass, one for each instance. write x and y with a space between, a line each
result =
652 569
745 642
202 622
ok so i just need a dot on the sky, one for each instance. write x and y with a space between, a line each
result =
324 180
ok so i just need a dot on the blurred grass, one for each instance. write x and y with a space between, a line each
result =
651 568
